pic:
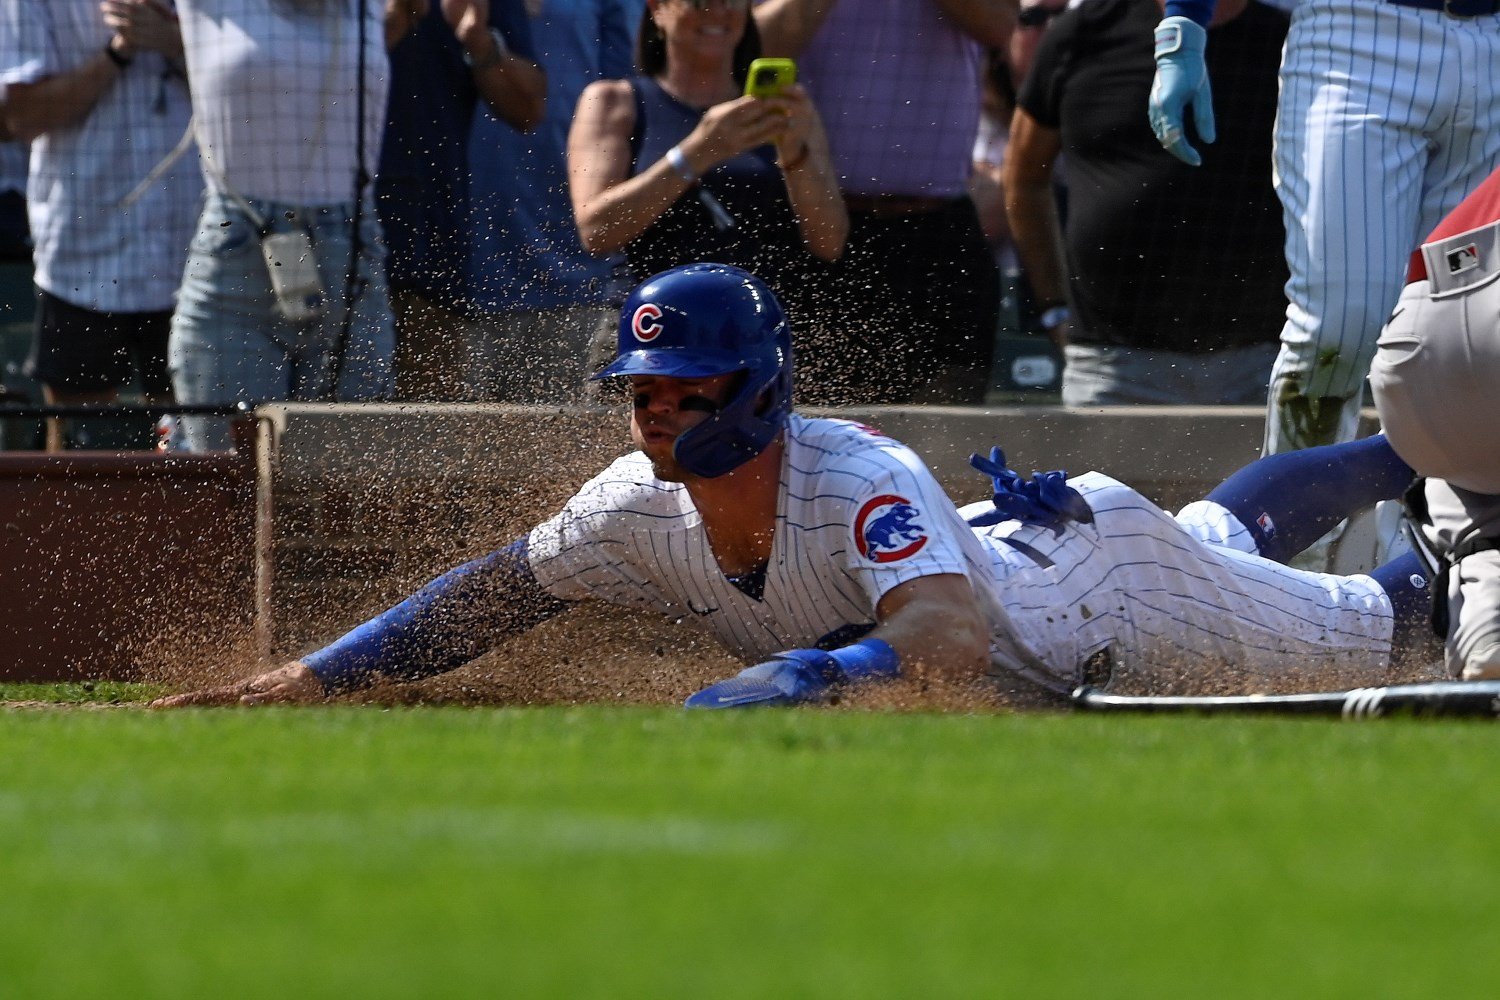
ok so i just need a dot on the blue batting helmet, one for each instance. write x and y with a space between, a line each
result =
701 320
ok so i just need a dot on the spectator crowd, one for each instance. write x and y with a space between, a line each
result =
252 200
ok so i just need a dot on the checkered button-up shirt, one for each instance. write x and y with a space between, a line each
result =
94 247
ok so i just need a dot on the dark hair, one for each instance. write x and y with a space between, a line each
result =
651 48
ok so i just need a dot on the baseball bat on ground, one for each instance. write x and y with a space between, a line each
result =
1438 698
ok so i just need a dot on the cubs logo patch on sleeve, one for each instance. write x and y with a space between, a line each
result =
886 529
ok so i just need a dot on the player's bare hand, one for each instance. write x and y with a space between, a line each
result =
142 26
294 683
729 129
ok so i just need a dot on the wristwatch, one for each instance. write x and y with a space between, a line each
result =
500 51
1054 317
119 60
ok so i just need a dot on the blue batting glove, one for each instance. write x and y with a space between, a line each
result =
1045 498
800 675
797 675
1181 81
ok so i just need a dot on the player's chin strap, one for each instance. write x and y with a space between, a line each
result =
1045 499
799 675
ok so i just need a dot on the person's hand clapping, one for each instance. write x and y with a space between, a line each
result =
469 19
142 26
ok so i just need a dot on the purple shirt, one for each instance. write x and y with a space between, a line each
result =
897 85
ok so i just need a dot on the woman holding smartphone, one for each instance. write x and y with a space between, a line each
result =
676 165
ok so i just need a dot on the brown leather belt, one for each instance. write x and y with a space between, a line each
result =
887 205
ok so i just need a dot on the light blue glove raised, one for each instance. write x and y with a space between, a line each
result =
1181 81
800 675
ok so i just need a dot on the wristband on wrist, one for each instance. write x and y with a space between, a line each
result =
677 160
118 59
497 54
867 658
1178 36
1200 12
339 673
797 160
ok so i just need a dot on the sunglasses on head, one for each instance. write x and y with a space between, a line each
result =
703 5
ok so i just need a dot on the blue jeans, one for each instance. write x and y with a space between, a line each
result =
229 342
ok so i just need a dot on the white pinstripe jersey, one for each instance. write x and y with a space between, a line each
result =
859 514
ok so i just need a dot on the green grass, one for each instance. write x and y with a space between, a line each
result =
650 853
82 693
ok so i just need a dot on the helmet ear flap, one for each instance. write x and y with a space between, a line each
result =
702 320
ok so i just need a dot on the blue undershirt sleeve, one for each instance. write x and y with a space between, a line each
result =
452 620
1289 500
1197 11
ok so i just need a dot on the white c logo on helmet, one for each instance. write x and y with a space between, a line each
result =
646 323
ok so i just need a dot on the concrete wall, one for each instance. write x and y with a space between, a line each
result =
360 503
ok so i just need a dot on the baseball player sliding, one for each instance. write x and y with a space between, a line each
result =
1389 116
1435 376
825 553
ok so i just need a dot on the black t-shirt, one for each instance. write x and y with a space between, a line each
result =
422 188
1162 255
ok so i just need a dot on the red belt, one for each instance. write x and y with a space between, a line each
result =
1416 269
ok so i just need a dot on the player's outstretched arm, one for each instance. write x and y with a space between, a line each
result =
447 623
935 625
1181 82
932 623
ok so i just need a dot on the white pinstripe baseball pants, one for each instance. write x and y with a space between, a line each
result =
1389 116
